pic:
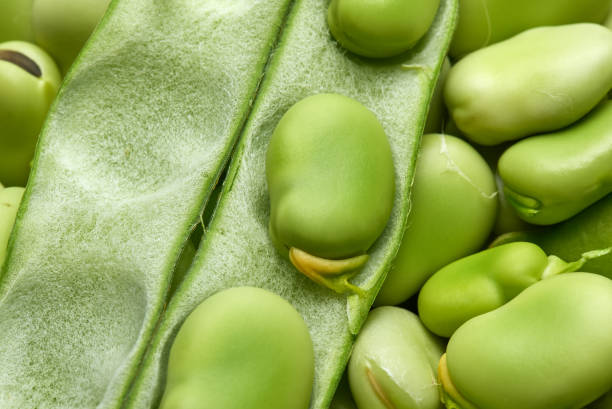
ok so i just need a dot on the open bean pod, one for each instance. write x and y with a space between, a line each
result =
134 145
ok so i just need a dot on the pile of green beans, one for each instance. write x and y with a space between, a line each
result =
221 192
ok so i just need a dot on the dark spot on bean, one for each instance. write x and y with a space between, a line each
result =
21 60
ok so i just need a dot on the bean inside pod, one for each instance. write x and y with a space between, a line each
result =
331 181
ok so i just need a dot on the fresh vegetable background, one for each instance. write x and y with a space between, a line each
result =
133 146
155 187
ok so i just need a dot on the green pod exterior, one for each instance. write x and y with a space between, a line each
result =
538 81
330 176
478 284
484 22
378 29
391 340
589 230
241 348
560 357
29 80
448 170
550 178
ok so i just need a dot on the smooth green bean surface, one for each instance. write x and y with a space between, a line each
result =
379 29
550 347
540 80
487 280
241 348
507 219
394 361
549 178
330 175
484 22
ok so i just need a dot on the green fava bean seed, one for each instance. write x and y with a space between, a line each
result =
10 198
549 348
538 81
380 29
449 171
241 348
437 112
485 281
549 178
484 22
394 361
330 175
63 26
29 80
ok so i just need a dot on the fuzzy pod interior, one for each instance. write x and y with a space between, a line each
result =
237 250
130 152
